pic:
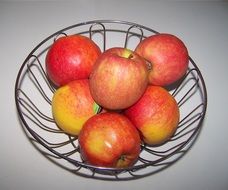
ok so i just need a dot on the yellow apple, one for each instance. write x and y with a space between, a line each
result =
72 105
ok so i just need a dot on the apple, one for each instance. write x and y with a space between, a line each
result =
168 57
118 78
72 105
156 115
70 58
109 140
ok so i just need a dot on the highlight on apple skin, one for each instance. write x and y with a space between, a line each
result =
156 115
73 105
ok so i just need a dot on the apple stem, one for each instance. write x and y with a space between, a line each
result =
122 157
149 65
130 56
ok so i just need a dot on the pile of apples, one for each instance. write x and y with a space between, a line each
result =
113 101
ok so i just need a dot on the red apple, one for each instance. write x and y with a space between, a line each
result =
168 57
109 140
72 105
70 58
156 115
118 78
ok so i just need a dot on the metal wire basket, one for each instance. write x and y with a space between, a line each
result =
33 94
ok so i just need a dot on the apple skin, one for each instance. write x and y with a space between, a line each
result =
156 115
71 58
72 105
109 140
168 57
118 79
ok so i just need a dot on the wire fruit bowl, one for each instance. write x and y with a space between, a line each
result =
33 94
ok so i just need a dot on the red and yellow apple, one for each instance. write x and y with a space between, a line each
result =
118 78
168 57
156 115
72 105
109 140
70 58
